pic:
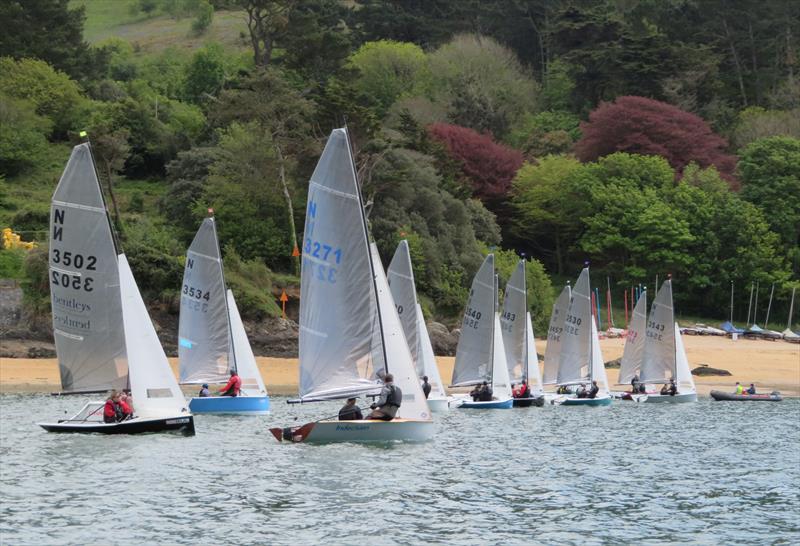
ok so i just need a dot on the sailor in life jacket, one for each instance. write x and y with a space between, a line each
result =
385 408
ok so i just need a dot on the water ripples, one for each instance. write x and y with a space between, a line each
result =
704 473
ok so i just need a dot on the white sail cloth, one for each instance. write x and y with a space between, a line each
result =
246 366
340 344
501 385
154 388
513 322
475 344
532 359
576 344
552 353
204 335
84 282
429 365
658 365
633 353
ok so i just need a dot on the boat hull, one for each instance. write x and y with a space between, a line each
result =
489 404
240 405
438 405
658 398
588 402
138 425
731 397
537 401
365 431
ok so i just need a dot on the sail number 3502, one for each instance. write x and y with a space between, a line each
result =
77 261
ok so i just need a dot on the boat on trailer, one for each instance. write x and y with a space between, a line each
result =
664 356
580 360
404 292
480 354
518 340
103 333
211 337
350 331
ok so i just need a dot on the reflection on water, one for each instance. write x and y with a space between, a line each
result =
694 473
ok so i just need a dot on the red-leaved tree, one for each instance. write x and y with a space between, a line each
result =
649 127
489 167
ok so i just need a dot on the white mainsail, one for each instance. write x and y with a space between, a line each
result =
246 366
552 353
474 350
401 282
341 350
683 373
398 355
598 364
513 322
658 365
84 282
633 353
154 388
576 344
204 335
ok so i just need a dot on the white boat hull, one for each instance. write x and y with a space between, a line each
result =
366 431
657 398
438 405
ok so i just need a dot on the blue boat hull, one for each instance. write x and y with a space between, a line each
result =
246 405
494 404
591 402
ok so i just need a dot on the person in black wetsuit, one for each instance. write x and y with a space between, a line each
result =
350 412
486 393
581 392
752 389
390 399
673 388
593 390
426 387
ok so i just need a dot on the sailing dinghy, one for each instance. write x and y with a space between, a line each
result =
552 351
480 354
211 337
103 333
633 353
401 282
350 332
664 353
580 359
515 322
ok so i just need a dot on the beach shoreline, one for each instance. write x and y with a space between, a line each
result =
771 365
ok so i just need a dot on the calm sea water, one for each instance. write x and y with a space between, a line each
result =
704 473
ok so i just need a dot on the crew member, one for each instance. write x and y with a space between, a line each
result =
426 387
125 406
752 389
390 399
350 412
673 388
739 388
233 385
111 410
523 391
486 393
581 392
593 390
204 393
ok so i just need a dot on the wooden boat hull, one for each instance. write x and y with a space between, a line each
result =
138 425
239 405
732 397
366 431
537 401
438 405
588 402
490 404
658 398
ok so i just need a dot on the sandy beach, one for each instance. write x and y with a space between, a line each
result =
771 365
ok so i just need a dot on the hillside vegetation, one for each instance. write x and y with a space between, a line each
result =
649 138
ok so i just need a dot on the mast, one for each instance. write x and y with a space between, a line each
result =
750 305
755 306
525 338
224 290
791 310
731 303
674 337
769 307
591 336
369 252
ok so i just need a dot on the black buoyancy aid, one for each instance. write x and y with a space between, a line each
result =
395 396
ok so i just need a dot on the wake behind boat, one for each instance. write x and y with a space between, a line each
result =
350 331
100 322
211 338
